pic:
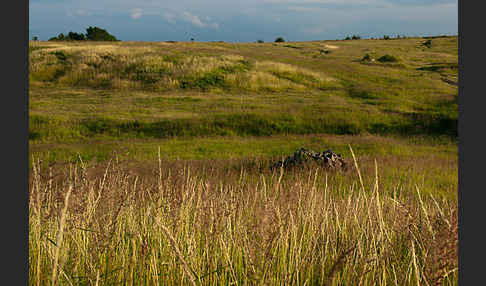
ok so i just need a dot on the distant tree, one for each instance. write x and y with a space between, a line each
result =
347 38
260 41
385 37
192 39
92 34
98 34
76 37
279 40
34 38
356 37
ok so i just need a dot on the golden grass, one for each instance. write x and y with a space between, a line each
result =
216 226
93 65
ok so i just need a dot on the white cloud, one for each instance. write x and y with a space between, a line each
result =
340 2
81 12
136 13
193 19
196 21
169 17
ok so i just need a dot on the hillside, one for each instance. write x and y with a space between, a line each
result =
139 93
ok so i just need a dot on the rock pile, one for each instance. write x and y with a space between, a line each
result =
301 157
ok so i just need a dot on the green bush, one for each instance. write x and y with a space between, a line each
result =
388 59
279 40
366 58
427 43
204 82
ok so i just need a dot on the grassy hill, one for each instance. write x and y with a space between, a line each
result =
128 91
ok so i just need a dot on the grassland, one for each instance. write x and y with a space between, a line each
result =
219 113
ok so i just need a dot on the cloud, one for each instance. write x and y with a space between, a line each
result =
81 12
169 17
245 20
196 21
136 13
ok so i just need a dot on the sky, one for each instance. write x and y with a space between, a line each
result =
244 21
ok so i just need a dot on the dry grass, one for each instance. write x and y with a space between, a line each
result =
218 226
130 67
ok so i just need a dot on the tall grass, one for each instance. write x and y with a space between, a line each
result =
128 68
222 226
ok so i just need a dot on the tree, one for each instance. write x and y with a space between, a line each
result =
279 40
98 34
34 38
260 41
76 37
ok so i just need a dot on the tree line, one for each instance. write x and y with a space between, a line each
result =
92 34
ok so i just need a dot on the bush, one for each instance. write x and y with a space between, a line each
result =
204 82
385 37
347 38
427 43
279 40
260 41
356 37
388 59
366 58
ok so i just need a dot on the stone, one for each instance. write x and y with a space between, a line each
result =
326 159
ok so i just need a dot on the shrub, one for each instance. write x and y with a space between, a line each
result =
260 41
204 82
60 37
279 40
356 37
427 43
347 38
388 59
385 37
366 58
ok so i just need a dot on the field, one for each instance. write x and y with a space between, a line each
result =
149 163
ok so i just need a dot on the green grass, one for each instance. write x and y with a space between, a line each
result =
213 89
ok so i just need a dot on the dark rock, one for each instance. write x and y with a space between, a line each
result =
327 159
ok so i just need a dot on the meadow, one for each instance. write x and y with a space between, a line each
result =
149 163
